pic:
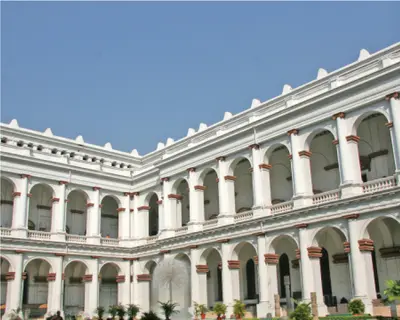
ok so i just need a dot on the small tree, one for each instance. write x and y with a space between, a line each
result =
132 310
150 316
356 306
169 308
220 309
100 312
302 312
239 309
392 292
113 310
121 312
200 310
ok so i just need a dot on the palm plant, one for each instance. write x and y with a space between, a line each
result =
150 316
113 310
169 308
121 312
132 310
100 312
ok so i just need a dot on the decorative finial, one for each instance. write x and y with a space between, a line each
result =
286 89
190 132
160 146
363 55
108 146
14 123
255 103
321 73
202 127
169 141
48 132
227 115
79 140
135 153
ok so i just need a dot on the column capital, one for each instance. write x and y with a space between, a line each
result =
87 278
120 278
143 208
352 216
89 204
62 182
389 124
366 245
121 209
165 251
230 178
346 246
233 264
314 252
335 142
192 246
339 115
192 169
27 176
265 166
254 146
96 188
201 268
16 194
131 210
293 131
51 276
143 277
159 201
301 226
353 138
394 95
220 158
55 200
200 188
271 258
297 252
223 240
10 276
305 153
175 196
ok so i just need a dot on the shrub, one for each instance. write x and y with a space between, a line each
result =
113 310
121 312
239 308
393 290
132 310
100 312
356 306
169 308
150 316
219 308
302 312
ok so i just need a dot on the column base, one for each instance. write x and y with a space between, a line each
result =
19 233
322 310
58 236
93 239
302 201
348 190
265 310
260 211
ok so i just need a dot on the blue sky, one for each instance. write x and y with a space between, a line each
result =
135 73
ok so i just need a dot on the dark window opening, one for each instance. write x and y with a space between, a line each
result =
251 279
284 270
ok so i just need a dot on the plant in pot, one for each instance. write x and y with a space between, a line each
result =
196 310
100 312
392 292
302 312
356 307
113 310
121 311
150 316
220 310
239 309
132 310
168 308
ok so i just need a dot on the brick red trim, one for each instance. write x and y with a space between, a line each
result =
351 216
95 257
120 278
87 278
28 176
314 252
335 142
90 204
55 199
346 246
21 251
164 251
100 206
51 276
223 240
265 166
60 254
230 178
142 208
175 196
66 200
255 259
293 131
201 268
131 210
143 277
340 115
10 276
165 179
198 187
217 180
305 153
129 259
389 124
221 158
29 195
251 169
258 234
24 276
254 146
159 201
290 156
63 182
271 258
301 225
121 209
63 276
233 264
394 95
366 245
191 169
297 252
16 194
353 138
96 188
193 246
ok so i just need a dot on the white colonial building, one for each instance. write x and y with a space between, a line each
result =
305 185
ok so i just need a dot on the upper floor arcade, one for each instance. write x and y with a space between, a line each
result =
342 156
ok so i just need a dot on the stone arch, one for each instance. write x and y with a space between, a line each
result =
208 178
79 261
361 117
110 216
205 254
239 247
335 233
76 220
109 264
271 148
241 169
181 188
148 197
44 259
316 132
182 255
40 216
112 196
273 244
9 261
74 286
108 273
7 202
212 257
177 183
205 172
5 267
150 266
80 190
10 181
234 162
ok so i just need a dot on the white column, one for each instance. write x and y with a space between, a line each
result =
94 218
198 278
305 264
361 264
142 222
348 158
196 199
92 288
58 213
266 182
14 287
265 305
271 260
230 279
169 210
394 126
301 172
20 213
257 178
57 287
124 287
124 220
142 282
161 215
226 193
314 254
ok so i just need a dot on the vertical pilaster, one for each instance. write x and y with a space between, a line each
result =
142 291
196 199
14 289
124 283
301 172
58 212
94 218
169 204
305 263
266 182
226 193
92 287
394 126
198 279
258 186
314 254
228 279
57 287
348 158
142 222
161 215
263 307
20 212
124 220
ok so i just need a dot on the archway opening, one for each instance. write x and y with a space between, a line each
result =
324 163
109 217
40 208
108 294
181 285
243 186
284 271
183 204
6 203
280 175
153 215
248 289
375 148
74 287
5 268
76 213
36 287
214 276
211 197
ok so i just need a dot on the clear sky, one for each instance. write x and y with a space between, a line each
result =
135 73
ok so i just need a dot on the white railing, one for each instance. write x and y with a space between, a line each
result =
210 224
76 238
109 241
282 207
152 239
327 196
39 235
181 230
5 232
379 184
243 216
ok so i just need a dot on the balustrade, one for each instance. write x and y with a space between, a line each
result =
76 238
210 224
282 207
327 196
247 215
109 241
181 230
32 234
379 184
5 232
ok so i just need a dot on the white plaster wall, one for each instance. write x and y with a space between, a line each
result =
183 205
76 221
41 195
211 200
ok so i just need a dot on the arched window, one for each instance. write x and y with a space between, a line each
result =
251 279
284 270
325 274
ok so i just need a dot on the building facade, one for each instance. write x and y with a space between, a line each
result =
302 189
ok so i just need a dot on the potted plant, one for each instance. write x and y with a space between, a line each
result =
356 307
132 310
196 310
113 310
121 312
150 316
392 292
100 312
302 312
203 309
239 309
169 308
220 310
